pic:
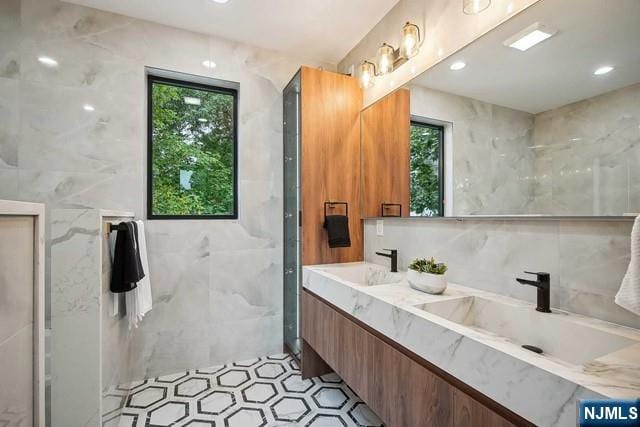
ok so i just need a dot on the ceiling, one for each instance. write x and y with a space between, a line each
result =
321 30
556 72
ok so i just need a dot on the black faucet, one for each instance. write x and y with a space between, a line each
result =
543 283
393 254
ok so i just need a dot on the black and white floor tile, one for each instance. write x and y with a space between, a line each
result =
268 391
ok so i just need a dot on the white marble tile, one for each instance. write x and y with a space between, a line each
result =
9 123
586 260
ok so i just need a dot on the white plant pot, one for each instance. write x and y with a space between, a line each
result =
427 282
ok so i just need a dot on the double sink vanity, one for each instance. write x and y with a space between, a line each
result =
490 161
458 358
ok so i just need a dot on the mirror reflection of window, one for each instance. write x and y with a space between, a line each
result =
426 168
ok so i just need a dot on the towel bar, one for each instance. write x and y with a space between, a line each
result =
115 227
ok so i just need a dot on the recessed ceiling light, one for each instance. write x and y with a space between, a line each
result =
530 37
192 101
88 107
603 70
48 61
209 64
458 65
220 1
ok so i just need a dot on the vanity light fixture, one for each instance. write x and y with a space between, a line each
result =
603 70
367 74
192 101
529 37
458 65
410 45
209 64
389 59
473 7
385 58
48 61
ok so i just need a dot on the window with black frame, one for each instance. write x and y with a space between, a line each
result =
426 169
192 152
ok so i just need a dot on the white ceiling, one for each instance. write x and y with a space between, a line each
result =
321 30
556 72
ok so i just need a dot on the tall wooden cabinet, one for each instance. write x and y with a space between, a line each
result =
385 156
321 118
330 161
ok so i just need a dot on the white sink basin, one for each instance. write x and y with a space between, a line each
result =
559 334
363 274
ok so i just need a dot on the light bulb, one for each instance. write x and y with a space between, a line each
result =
385 59
367 74
410 40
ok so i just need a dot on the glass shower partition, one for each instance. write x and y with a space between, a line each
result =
292 215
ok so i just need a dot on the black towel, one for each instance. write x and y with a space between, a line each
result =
127 267
338 231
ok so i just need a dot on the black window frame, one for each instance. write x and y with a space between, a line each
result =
151 79
424 122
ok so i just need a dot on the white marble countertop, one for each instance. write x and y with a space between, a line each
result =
542 389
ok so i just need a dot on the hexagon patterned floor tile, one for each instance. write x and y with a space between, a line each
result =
263 392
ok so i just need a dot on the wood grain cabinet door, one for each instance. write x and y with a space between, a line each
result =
330 118
385 155
402 390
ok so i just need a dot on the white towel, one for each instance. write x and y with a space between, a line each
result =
139 301
628 297
145 299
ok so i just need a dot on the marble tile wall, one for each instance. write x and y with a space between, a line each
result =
579 159
116 336
217 284
492 158
76 319
586 259
587 156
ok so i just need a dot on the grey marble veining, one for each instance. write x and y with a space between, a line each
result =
542 389
217 284
587 260
587 156
75 317
579 159
116 337
492 160
53 151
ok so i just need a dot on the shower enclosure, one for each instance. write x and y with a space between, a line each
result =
292 212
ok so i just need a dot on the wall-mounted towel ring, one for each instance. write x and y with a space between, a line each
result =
337 226
332 205
385 206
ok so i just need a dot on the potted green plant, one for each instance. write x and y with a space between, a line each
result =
427 275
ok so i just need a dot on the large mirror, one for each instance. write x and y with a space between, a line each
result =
541 116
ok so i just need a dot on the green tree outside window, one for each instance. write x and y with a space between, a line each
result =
425 163
192 150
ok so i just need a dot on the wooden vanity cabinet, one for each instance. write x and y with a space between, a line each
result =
385 156
400 387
